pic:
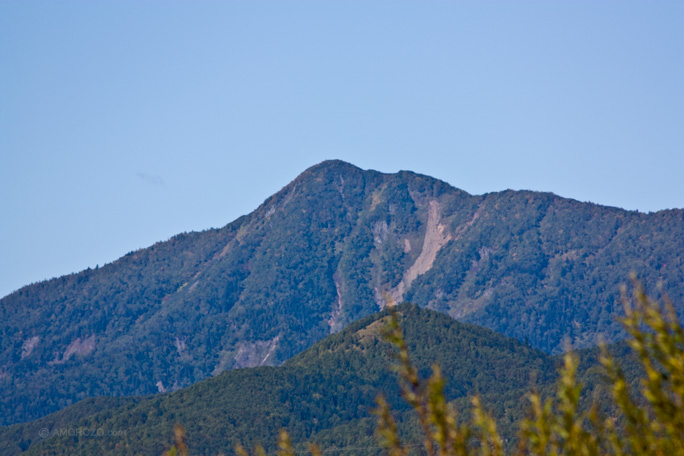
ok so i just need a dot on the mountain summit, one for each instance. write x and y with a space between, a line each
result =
336 244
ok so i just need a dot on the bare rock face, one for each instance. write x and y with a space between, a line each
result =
257 353
80 348
28 346
435 239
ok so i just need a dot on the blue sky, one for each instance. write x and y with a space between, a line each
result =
123 123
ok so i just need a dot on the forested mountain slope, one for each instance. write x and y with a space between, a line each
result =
336 244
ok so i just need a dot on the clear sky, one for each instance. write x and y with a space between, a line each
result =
125 122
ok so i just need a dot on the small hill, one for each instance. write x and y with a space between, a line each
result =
326 393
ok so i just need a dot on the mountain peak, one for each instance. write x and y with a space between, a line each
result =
332 164
338 243
329 168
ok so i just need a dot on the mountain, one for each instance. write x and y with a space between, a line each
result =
336 244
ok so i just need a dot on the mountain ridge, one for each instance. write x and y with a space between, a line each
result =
334 245
340 164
